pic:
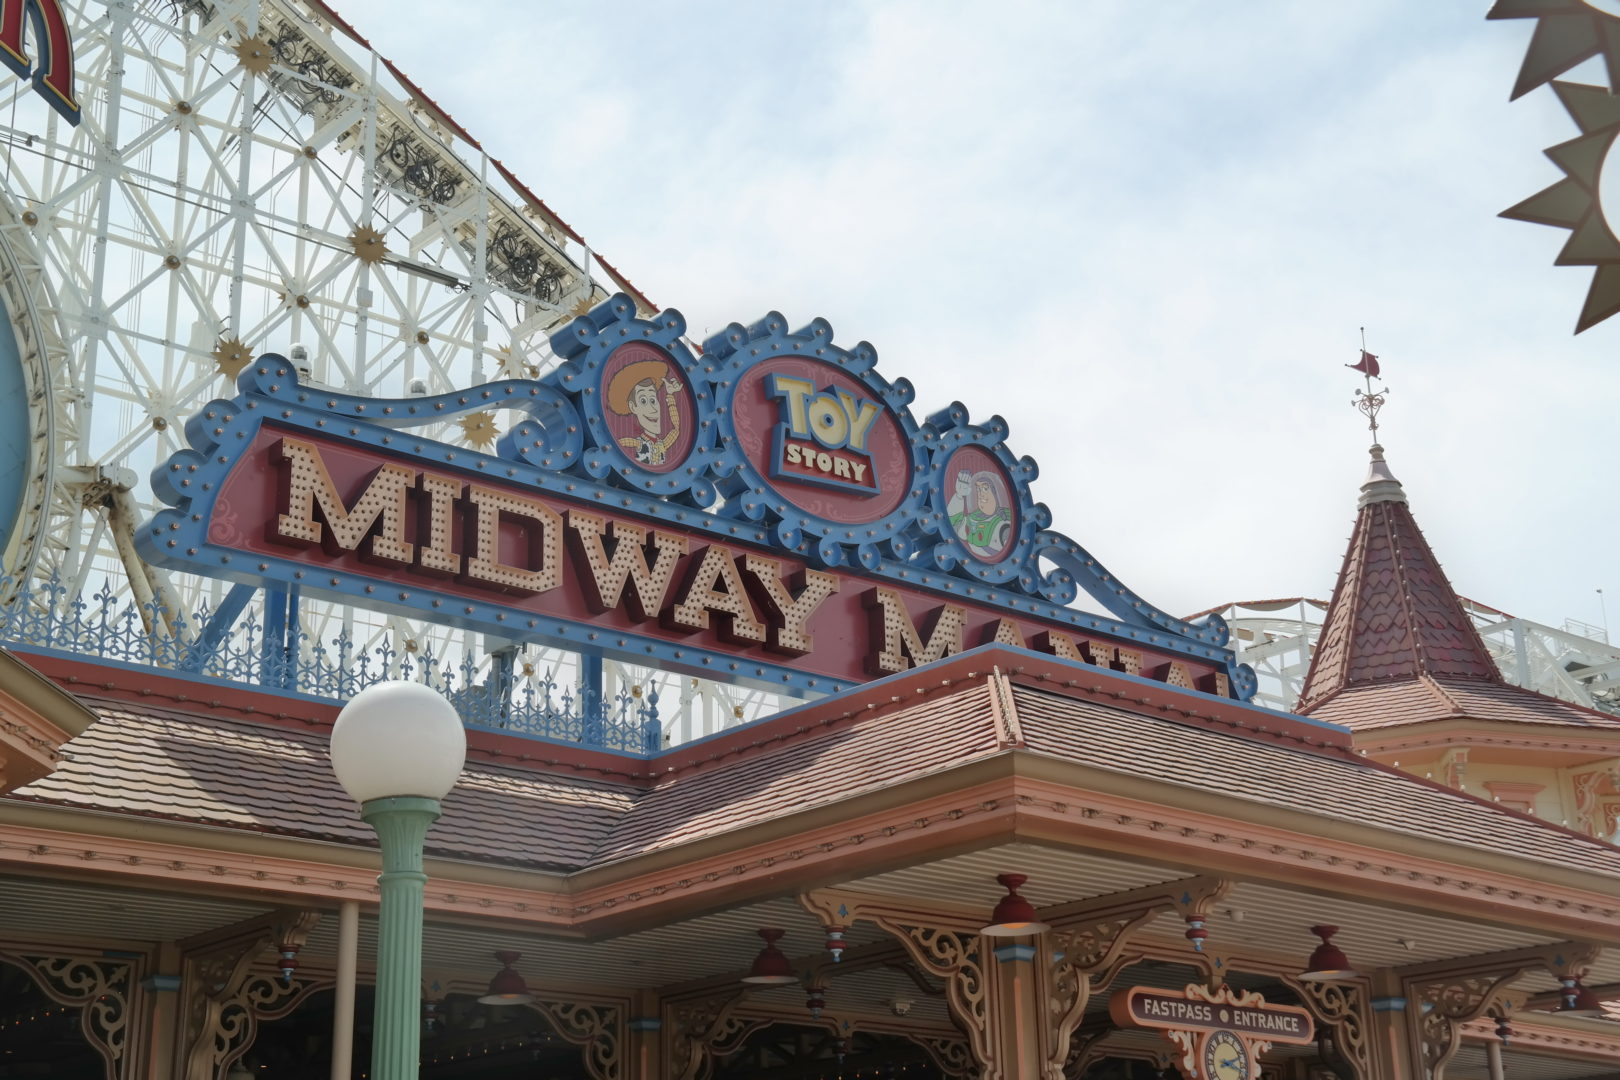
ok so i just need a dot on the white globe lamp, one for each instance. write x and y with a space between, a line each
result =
398 739
397 749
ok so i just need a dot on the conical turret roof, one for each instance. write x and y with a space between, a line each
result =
1394 615
1397 646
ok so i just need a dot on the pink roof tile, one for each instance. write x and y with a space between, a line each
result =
1328 782
236 773
211 770
1423 699
942 731
1394 615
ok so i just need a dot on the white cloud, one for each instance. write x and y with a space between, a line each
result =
1143 233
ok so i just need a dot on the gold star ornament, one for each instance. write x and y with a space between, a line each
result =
230 357
478 429
368 244
254 54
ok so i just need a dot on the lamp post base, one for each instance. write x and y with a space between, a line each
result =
396 1042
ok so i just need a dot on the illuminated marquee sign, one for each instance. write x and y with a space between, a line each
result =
643 506
53 76
1220 1033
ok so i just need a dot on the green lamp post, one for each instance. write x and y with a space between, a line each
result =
397 749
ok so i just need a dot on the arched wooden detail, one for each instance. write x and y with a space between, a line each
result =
1089 945
224 998
946 947
598 1028
103 989
703 1027
950 1055
1345 1009
1444 996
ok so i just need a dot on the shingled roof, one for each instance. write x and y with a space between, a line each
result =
1398 647
200 767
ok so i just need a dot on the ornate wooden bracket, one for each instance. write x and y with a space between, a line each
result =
100 988
1344 1009
1454 767
943 943
1586 784
1442 997
700 1028
598 1027
223 998
950 1055
1088 947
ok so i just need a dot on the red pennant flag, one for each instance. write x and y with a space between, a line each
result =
1368 365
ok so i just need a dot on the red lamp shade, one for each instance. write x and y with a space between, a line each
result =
507 987
1328 963
771 967
1014 916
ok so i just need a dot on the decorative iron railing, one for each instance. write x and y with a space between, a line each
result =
500 695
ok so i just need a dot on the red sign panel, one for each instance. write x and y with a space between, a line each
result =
403 531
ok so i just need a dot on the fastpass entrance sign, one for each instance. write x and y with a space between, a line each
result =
1219 1032
767 511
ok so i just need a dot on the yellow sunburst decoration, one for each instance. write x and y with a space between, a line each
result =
1575 203
478 429
1568 32
255 54
581 306
511 365
231 356
369 245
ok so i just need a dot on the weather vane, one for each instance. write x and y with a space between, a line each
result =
1366 400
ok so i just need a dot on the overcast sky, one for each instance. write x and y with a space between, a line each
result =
1143 233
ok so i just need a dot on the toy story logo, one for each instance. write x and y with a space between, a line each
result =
644 501
822 435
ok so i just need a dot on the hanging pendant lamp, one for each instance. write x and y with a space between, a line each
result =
1014 916
1328 962
507 987
771 967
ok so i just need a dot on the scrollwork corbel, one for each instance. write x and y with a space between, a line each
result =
597 1027
701 1028
951 1056
100 988
1088 945
225 998
1441 998
1343 1008
943 944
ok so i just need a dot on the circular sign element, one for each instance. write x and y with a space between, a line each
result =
1226 1057
980 504
822 440
648 406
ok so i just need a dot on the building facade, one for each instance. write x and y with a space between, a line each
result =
974 809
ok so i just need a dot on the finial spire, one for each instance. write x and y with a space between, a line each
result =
1366 400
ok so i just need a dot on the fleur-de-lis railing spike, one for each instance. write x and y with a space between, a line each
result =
489 693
